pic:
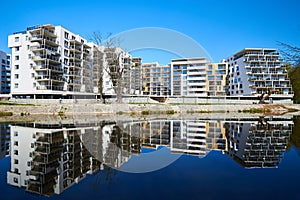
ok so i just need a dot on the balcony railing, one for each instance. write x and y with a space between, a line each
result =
50 87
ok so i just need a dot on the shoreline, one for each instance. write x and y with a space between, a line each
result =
129 111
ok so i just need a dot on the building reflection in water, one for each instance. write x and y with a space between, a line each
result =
258 144
47 159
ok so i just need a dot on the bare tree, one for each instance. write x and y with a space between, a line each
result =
97 37
290 53
114 64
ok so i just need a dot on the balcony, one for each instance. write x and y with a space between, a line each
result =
46 30
75 65
50 87
74 74
75 82
48 78
56 69
86 52
43 39
75 49
75 58
51 59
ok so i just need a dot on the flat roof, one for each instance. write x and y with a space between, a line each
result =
188 59
254 49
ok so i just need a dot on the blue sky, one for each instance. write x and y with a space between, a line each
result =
221 27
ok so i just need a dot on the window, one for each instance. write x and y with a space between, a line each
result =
17 48
66 35
220 67
66 52
32 145
17 57
34 85
16 85
17 67
33 135
26 37
29 56
16 161
16 180
32 75
16 133
209 66
16 143
27 47
17 39
31 65
26 182
28 163
241 85
237 68
66 61
16 76
66 44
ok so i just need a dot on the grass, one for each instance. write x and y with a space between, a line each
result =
170 112
292 110
155 112
10 103
255 110
2 114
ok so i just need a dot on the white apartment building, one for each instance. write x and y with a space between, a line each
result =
256 71
5 73
188 77
50 62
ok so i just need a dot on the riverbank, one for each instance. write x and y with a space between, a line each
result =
77 109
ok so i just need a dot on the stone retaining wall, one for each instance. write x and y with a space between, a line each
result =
82 108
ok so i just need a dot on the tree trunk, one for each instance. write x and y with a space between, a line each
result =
118 90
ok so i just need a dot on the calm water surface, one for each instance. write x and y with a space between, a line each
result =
234 158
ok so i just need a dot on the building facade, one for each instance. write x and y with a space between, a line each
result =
257 71
50 62
216 74
188 77
156 79
5 73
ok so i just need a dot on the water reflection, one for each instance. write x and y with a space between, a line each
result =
50 158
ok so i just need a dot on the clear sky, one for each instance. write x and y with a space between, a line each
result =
221 27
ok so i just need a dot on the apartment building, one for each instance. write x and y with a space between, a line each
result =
188 77
216 74
136 80
257 71
5 73
115 67
50 62
156 79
